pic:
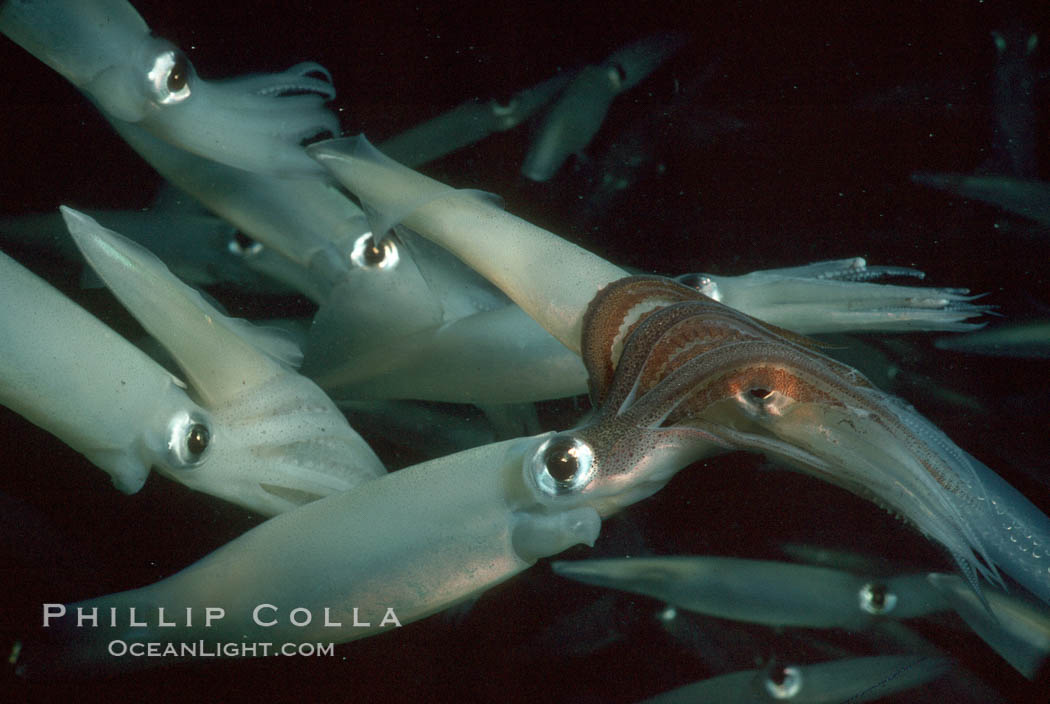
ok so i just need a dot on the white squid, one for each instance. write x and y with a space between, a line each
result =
105 49
247 428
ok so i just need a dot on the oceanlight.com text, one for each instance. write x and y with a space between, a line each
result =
205 649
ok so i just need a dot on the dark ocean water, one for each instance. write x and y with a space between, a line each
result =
779 136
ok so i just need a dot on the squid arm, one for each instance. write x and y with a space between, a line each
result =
105 49
838 295
268 439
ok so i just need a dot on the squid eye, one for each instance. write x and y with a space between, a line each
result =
189 437
243 246
702 283
876 598
504 106
197 438
178 76
762 401
784 682
169 77
369 254
563 464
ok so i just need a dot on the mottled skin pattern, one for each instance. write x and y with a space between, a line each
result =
696 377
662 326
618 310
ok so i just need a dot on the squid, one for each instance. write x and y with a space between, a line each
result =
470 122
761 591
1028 340
411 321
1014 92
848 680
105 48
782 594
579 112
246 428
361 562
827 296
396 316
824 418
1027 197
696 376
235 145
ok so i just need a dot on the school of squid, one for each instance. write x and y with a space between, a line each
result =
459 437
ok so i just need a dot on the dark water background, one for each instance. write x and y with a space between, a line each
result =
778 137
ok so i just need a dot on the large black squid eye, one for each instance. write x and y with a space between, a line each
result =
169 76
370 254
197 439
563 464
178 76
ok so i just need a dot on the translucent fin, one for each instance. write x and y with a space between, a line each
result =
382 216
220 355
